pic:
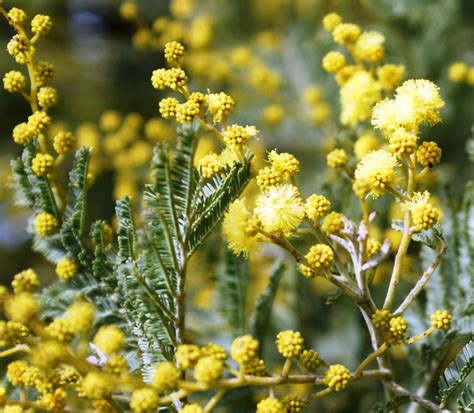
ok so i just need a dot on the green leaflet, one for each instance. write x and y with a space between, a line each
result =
263 308
456 373
388 405
24 195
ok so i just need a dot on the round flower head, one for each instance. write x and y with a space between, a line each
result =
109 339
398 328
208 370
61 330
168 107
14 81
244 349
333 62
214 350
44 71
337 376
25 281
186 111
17 15
346 33
377 171
457 72
280 209
42 164
175 78
293 404
441 319
165 376
173 51
187 355
270 405
63 142
330 21
240 228
357 96
317 206
370 47
333 223
337 158
429 154
128 10
210 165
66 269
320 256
144 400
310 360
22 134
80 315
236 136
41 24
373 246
47 97
159 79
402 143
289 343
424 214
45 224
381 319
21 307
285 163
254 367
38 122
268 177
390 76
19 47
220 105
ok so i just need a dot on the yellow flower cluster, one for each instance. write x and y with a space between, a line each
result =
320 257
441 319
460 72
42 164
290 343
66 269
46 224
317 206
424 214
337 377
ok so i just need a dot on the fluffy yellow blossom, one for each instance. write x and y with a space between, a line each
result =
22 134
14 81
19 47
54 401
15 372
381 319
357 96
44 71
402 143
337 376
220 105
333 223
211 164
337 158
330 21
66 269
264 80
285 163
116 365
63 142
333 62
61 330
173 51
457 72
346 33
208 370
312 94
441 319
373 246
187 355
377 171
317 206
168 107
293 404
280 209
165 376
268 177
270 405
240 228
254 367
273 114
320 256
41 24
21 308
429 154
144 400
38 122
424 214
244 349
46 224
370 47
192 408
214 350
96 385
320 113
47 97
366 143
187 111
128 10
390 76
42 164
398 327
159 79
109 339
289 343
236 136
12 333
346 73
80 315
17 15
25 281
310 360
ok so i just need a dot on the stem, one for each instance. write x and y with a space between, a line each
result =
214 400
17 349
370 358
286 368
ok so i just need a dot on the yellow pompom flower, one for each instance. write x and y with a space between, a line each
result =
211 164
38 122
402 143
25 281
22 134
176 78
320 113
116 365
165 376
17 15
80 315
42 164
45 224
16 371
333 62
280 209
63 142
12 333
273 114
47 97
109 339
168 107
312 94
66 269
330 21
285 163
289 343
333 223
96 385
54 401
398 327
159 78
254 367
441 319
346 73
310 360
208 370
236 136
373 246
21 308
144 400
14 81
390 76
128 10
244 349
366 143
220 105
370 47
457 72
270 405
268 177
19 47
337 158
320 256
377 171
173 51
187 355
41 24
293 404
240 228
187 111
429 154
424 215
337 376
214 350
381 319
317 206
44 71
346 33
192 408
60 329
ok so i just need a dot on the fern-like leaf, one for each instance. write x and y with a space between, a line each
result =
387 406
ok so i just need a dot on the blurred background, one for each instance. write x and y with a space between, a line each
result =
267 55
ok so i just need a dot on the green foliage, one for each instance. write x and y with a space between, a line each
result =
457 372
388 406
